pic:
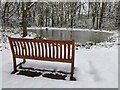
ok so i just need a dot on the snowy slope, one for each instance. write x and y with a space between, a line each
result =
96 67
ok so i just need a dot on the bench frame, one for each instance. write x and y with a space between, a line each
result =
24 51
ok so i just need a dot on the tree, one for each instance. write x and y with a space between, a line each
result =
8 10
25 8
61 14
101 13
119 15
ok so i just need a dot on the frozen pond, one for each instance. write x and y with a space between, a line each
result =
78 36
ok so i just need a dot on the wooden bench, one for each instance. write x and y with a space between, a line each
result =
40 49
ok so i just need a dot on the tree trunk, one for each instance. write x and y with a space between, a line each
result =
46 18
52 16
71 21
97 12
119 15
101 14
97 21
93 20
4 17
89 10
24 21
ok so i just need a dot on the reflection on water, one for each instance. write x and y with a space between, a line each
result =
78 36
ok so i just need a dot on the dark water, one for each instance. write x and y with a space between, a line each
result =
78 36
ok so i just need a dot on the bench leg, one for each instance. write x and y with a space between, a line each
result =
24 60
72 71
14 66
14 62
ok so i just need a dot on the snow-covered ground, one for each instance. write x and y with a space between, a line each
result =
96 67
1 73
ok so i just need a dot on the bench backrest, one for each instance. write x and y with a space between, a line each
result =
42 49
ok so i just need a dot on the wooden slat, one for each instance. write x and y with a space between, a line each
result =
73 50
39 49
19 47
53 49
25 49
32 48
35 49
60 51
57 50
22 48
64 51
73 54
42 40
49 50
28 48
46 53
15 45
45 59
42 49
68 51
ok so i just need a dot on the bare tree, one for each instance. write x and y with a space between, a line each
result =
101 13
61 14
25 8
118 15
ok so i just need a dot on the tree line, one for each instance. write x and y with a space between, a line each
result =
91 15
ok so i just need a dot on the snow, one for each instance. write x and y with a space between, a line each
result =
0 70
96 67
0 64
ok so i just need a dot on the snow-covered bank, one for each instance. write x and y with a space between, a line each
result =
96 67
1 70
0 62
